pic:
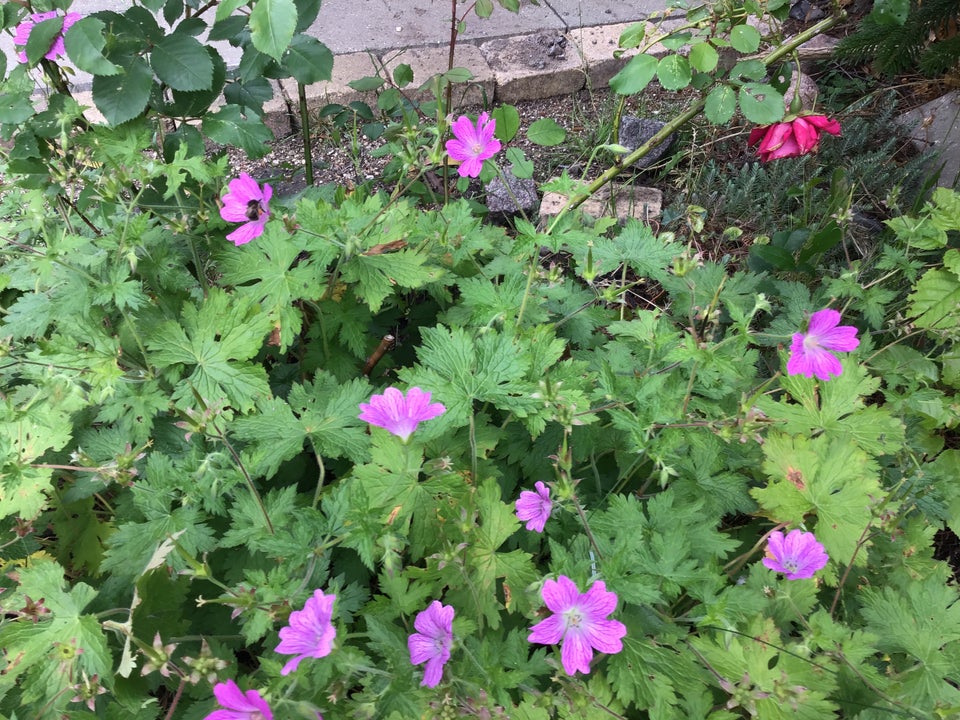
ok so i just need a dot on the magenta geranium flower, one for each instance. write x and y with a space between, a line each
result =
57 50
798 555
239 705
472 143
580 622
431 643
398 413
246 203
309 632
809 351
535 507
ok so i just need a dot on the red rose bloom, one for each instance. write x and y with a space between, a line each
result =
792 138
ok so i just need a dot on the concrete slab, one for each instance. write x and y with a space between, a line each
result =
623 201
583 13
429 61
936 126
382 24
535 66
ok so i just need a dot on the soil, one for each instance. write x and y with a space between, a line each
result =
347 163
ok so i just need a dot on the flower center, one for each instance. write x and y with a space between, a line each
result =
790 564
476 149
573 618
810 343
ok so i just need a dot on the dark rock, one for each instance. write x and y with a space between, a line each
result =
635 131
806 11
513 197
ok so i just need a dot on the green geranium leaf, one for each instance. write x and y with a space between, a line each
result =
211 348
65 632
936 296
831 477
519 165
890 12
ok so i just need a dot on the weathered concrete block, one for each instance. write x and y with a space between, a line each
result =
936 126
429 61
534 66
614 199
597 45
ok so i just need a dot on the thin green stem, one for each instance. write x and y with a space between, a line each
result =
305 134
246 476
322 475
586 527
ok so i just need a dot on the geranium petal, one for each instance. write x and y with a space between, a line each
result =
606 635
548 631
421 648
559 595
576 653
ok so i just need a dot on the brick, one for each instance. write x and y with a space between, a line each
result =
535 66
597 45
629 201
429 61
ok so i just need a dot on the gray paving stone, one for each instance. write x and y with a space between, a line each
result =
529 67
614 199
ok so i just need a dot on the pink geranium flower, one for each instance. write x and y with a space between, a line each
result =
246 203
580 622
239 705
431 643
310 632
535 507
809 351
472 144
792 138
57 49
798 555
400 414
